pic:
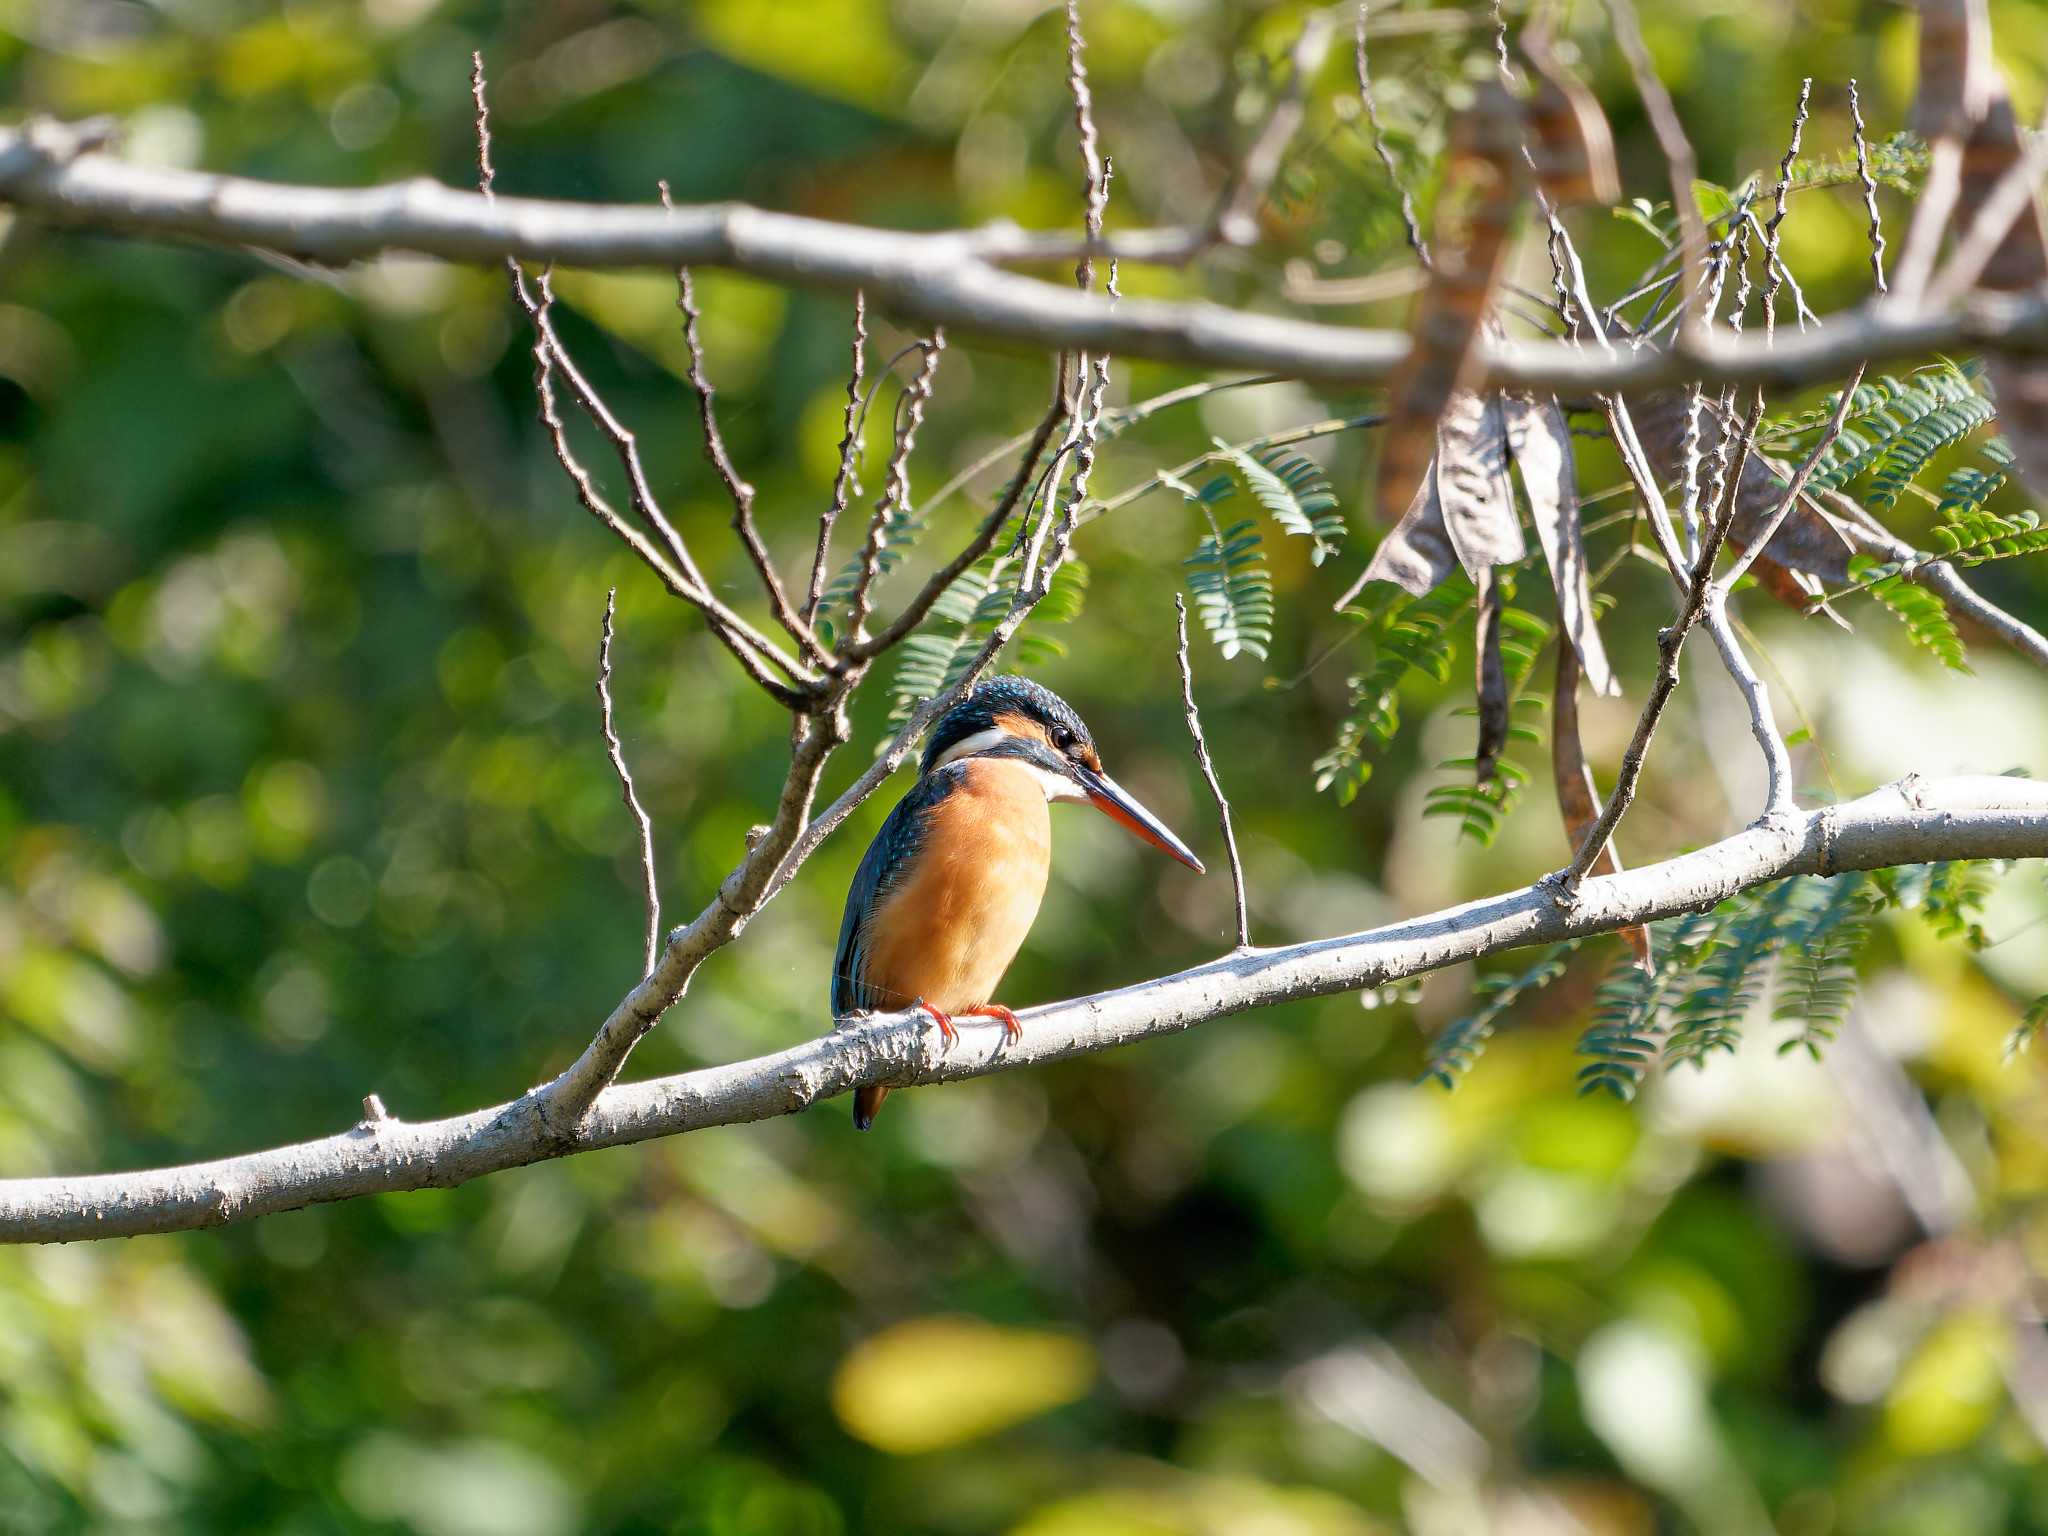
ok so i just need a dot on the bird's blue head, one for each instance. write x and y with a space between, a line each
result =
1015 718
1007 705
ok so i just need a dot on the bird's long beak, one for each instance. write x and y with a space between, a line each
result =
1118 804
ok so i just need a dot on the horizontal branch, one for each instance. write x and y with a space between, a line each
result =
949 278
1914 821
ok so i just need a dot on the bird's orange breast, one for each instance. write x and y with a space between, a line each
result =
950 929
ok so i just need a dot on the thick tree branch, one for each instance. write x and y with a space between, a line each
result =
947 278
1914 821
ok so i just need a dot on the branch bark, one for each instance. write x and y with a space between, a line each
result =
1913 821
949 278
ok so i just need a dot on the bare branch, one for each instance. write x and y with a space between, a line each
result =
918 607
617 752
1683 165
2010 196
1194 718
1869 188
738 490
1094 174
846 483
755 653
1773 272
943 278
1379 143
563 1105
1800 477
1763 723
895 491
1912 822
545 361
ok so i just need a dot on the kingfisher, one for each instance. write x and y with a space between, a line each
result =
947 891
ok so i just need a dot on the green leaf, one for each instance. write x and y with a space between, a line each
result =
1413 635
1295 493
1458 1045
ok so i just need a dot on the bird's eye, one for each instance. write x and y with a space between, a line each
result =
1063 738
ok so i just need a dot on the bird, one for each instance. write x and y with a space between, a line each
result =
944 896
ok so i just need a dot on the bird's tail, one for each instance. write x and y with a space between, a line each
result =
867 1101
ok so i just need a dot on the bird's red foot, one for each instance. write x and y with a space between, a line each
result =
943 1020
1013 1030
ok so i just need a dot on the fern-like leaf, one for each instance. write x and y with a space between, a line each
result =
1414 635
1227 574
1949 896
1826 925
1295 493
1895 426
1458 1045
1925 616
2032 1025
937 656
1629 1010
1481 806
1719 995
1902 460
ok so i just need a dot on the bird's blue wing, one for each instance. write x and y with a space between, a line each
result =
888 860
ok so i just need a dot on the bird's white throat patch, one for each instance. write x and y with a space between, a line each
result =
1057 786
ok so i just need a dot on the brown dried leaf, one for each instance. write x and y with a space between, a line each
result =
1541 440
1417 555
1472 483
1807 541
1578 801
1491 677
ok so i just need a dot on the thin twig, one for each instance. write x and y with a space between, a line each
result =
627 792
1094 182
1763 723
935 587
1869 188
739 491
895 497
1790 497
1187 695
1159 480
1679 159
846 482
1379 143
1773 273
760 656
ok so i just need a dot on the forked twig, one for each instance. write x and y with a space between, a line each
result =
1679 158
895 495
758 655
738 490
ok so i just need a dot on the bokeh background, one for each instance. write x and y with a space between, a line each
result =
302 797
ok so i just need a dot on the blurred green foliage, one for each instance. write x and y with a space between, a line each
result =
302 797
